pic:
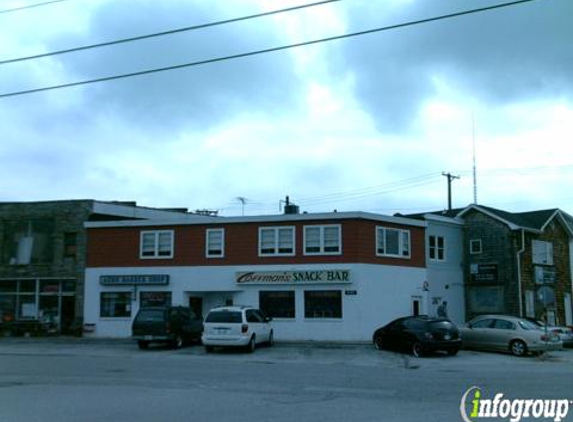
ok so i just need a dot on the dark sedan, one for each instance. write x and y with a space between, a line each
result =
419 335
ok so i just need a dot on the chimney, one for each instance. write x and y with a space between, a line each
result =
290 208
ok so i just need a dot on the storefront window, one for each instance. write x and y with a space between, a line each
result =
148 299
7 307
115 304
28 307
27 286
323 304
49 286
8 286
49 309
277 304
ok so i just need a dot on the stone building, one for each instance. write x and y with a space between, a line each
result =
43 257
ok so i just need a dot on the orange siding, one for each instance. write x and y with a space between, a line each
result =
119 247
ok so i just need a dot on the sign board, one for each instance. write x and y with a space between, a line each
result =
294 277
139 280
350 292
544 275
481 273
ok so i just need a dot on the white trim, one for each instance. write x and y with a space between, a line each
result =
480 247
437 249
511 225
559 214
156 255
401 246
207 232
321 227
276 235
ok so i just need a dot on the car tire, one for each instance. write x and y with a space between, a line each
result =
252 345
518 348
143 345
178 342
271 341
379 342
417 349
209 349
452 352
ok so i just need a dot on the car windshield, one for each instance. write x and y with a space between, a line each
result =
150 315
224 316
528 325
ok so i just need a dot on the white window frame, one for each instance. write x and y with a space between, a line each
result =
381 234
473 250
208 232
156 234
436 248
276 230
541 252
322 239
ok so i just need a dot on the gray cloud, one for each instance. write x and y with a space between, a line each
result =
196 97
500 56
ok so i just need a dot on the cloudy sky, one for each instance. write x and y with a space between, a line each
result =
367 123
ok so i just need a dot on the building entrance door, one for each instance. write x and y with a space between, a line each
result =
196 304
416 305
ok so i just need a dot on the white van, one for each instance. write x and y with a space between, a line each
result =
236 326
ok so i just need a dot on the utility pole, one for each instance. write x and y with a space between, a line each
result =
450 178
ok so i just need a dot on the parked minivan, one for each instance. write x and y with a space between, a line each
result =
236 326
175 325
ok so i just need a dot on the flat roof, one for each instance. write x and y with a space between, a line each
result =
279 218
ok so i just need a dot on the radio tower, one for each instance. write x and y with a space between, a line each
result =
474 159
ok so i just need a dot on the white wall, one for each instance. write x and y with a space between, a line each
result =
446 278
383 293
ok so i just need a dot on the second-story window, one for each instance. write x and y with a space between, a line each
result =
392 242
70 245
437 248
542 252
215 243
322 240
156 244
276 241
475 246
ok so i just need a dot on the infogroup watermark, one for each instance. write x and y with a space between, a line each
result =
475 407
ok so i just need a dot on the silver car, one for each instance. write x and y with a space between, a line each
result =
508 334
565 333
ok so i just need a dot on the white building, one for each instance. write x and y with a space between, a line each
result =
332 276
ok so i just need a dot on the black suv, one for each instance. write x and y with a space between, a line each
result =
174 325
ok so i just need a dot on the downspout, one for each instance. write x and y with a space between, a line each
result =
519 289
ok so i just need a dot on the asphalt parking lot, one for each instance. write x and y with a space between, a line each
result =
358 354
102 379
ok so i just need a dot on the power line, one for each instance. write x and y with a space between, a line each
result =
16 9
263 51
170 32
367 191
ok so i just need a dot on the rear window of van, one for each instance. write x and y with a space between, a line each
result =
150 315
224 316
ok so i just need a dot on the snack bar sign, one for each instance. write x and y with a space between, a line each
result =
294 277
